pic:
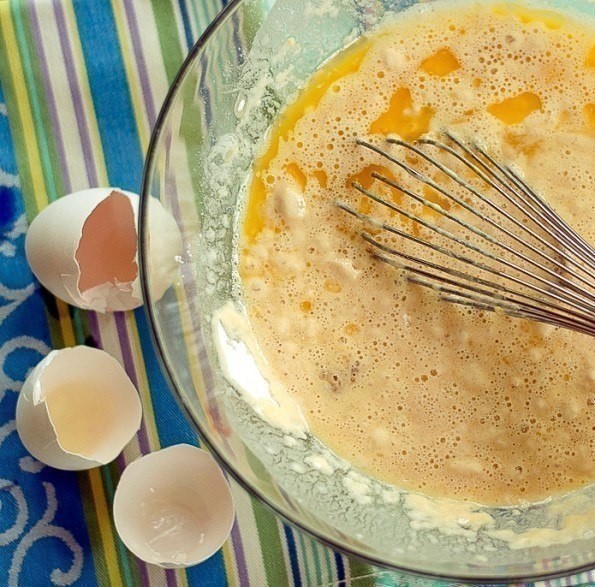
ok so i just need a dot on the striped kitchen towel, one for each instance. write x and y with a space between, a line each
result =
82 82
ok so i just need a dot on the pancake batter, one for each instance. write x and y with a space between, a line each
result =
416 392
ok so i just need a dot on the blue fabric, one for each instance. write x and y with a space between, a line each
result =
115 116
37 544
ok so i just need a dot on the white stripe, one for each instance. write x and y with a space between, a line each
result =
131 67
3 110
302 554
63 96
88 104
249 534
180 27
151 48
304 544
193 20
110 343
347 568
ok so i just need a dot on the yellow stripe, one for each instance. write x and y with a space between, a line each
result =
193 362
181 579
41 200
143 382
28 132
229 559
68 335
105 529
33 158
22 99
99 498
87 99
134 86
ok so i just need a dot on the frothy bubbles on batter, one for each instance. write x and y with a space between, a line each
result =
427 396
305 467
354 500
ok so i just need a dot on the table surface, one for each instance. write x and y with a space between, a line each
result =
64 64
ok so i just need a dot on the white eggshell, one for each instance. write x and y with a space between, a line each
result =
77 409
173 507
54 237
165 249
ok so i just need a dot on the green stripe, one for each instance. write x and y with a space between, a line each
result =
270 543
125 558
33 77
15 123
330 565
305 557
54 324
315 547
80 324
169 37
20 146
45 133
98 559
201 21
251 23
358 568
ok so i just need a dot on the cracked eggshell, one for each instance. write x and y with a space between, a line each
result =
83 249
77 409
173 507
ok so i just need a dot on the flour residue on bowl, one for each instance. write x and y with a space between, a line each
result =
245 367
411 391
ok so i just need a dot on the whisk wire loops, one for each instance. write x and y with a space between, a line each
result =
539 267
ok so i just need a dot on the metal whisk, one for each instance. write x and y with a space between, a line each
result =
495 246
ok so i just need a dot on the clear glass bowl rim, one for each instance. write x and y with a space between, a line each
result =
143 236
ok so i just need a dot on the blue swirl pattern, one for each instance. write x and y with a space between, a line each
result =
42 529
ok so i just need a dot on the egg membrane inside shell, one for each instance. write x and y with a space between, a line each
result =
89 405
77 409
174 507
83 248
106 253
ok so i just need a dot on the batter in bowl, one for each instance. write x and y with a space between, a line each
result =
415 392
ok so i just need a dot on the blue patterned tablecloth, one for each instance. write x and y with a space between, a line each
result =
81 82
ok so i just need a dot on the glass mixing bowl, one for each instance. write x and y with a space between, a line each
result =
247 65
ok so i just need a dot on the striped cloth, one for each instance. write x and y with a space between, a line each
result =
81 85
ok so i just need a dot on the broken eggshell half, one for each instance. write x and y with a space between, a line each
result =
173 507
77 409
83 249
